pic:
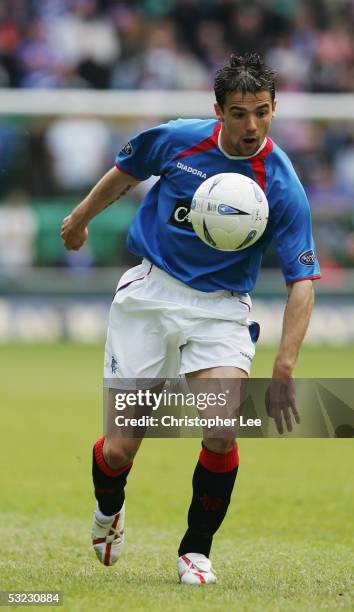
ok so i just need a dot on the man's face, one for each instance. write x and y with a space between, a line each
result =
246 120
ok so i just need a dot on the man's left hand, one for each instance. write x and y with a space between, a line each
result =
280 401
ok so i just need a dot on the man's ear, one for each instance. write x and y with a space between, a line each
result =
274 106
218 112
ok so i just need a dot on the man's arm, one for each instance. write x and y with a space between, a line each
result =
280 394
112 186
295 323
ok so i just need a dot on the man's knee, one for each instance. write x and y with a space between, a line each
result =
219 445
119 452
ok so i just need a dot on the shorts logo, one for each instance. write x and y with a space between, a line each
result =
114 365
180 216
127 149
307 258
191 170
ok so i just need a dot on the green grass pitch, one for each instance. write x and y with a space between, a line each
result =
286 544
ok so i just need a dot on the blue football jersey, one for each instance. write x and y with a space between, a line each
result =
183 153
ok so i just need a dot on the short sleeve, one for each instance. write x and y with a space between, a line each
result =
292 230
146 153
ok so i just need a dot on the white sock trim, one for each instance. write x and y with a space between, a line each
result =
103 518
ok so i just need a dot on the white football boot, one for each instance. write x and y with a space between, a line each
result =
108 537
195 568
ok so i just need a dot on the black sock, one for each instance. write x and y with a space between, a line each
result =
213 482
109 484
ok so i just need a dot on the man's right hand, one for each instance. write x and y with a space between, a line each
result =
73 234
110 188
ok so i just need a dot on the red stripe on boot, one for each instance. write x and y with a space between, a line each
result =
98 541
219 462
102 463
201 577
107 555
186 560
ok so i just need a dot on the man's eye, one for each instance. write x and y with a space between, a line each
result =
238 115
262 113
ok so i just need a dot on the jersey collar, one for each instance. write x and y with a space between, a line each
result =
238 156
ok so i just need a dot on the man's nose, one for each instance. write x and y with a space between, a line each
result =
251 123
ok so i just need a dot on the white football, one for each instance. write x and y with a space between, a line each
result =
229 211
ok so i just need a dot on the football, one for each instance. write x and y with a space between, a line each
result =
229 211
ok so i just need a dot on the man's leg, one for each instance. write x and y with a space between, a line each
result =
213 481
113 454
136 347
112 460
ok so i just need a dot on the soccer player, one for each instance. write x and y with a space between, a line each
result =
185 309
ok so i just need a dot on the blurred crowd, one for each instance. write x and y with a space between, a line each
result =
174 44
149 43
54 160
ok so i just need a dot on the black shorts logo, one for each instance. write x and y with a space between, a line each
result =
180 216
307 258
127 149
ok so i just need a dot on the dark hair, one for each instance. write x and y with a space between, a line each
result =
246 73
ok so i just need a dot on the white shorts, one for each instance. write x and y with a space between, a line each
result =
161 328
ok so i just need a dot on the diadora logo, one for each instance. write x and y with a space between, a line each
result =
191 170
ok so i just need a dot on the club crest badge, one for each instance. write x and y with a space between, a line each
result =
307 258
127 149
